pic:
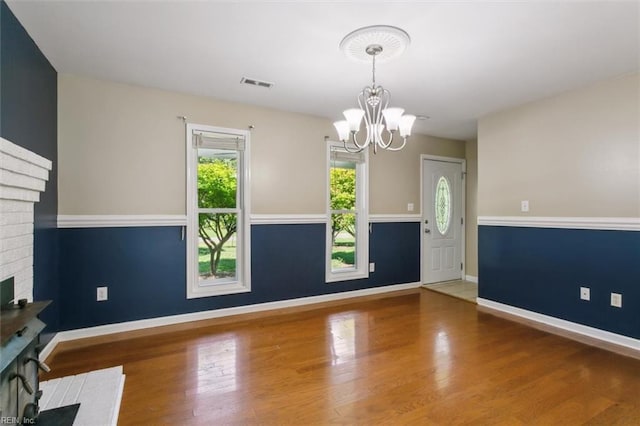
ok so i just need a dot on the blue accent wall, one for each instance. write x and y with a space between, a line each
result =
542 270
28 117
145 269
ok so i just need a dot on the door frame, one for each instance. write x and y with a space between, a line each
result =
463 188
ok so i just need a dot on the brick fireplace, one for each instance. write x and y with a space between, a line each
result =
23 176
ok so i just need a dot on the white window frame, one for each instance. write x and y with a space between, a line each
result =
362 227
195 288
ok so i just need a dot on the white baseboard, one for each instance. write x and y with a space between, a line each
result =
572 327
49 347
471 279
101 330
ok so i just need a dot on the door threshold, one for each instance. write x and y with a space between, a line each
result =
459 289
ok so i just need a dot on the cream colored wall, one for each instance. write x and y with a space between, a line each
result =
471 206
574 155
395 176
122 152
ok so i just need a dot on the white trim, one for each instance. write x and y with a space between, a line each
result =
50 346
101 330
444 159
382 218
595 333
242 284
463 188
362 211
286 219
116 408
599 223
471 279
117 221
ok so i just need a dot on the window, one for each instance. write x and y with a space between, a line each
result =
443 205
347 254
218 237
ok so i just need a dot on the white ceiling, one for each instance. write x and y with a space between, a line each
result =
466 59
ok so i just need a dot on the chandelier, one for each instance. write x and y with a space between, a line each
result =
382 123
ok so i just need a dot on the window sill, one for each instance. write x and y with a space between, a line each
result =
216 290
346 276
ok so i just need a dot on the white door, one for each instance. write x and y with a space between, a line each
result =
442 220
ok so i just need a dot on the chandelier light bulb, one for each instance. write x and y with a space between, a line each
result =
392 117
406 123
354 118
342 127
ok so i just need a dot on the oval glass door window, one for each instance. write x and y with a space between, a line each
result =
443 205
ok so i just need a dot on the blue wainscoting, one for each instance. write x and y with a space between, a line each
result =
542 270
145 269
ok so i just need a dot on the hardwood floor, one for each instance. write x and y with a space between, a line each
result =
412 357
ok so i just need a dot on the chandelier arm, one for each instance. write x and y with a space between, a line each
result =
352 151
404 142
386 144
378 133
362 102
385 98
358 145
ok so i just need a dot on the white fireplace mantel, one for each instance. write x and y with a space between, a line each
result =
23 176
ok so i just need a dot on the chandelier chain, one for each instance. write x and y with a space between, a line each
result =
374 71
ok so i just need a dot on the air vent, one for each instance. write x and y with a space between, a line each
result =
254 82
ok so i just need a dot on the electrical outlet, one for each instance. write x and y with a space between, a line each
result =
102 294
616 300
585 293
410 207
524 205
372 267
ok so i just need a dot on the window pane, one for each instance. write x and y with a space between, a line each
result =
217 178
343 250
217 248
443 205
343 187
